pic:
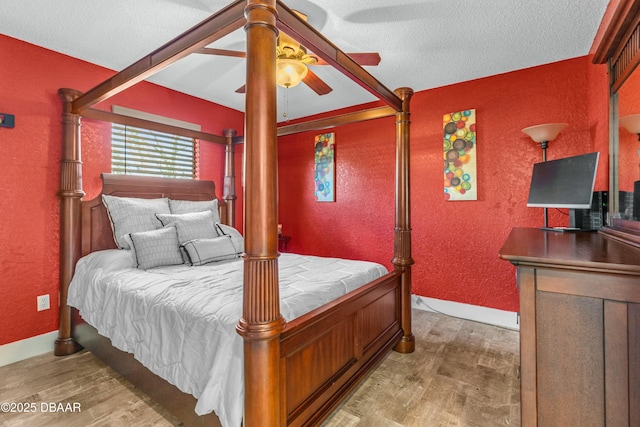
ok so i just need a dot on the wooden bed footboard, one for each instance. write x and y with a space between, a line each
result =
326 353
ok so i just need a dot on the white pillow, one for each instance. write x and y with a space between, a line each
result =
236 237
109 259
132 215
196 225
204 251
156 248
189 206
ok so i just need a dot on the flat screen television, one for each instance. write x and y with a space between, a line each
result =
564 183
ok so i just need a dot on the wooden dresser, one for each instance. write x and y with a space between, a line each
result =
580 328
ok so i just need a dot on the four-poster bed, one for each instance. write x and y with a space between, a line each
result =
345 338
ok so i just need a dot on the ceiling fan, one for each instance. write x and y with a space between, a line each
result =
293 61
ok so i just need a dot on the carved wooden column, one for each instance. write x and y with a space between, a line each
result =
70 195
402 242
261 322
230 178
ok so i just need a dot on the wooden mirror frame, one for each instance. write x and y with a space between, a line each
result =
620 48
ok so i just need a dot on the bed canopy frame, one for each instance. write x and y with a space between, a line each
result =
269 341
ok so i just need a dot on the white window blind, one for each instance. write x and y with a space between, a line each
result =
137 151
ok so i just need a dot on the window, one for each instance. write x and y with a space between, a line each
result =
137 151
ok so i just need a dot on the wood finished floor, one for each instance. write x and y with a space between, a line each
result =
462 374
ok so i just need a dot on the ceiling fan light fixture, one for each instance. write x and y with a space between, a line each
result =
290 72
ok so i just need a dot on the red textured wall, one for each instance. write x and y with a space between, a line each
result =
455 244
29 169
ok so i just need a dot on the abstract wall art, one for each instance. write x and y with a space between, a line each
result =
459 150
324 163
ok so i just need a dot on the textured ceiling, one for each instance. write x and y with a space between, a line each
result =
423 43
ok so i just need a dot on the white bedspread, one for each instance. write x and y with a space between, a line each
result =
180 321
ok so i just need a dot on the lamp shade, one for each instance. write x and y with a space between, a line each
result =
290 72
631 123
546 132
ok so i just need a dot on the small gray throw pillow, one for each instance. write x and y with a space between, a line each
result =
196 225
156 248
204 251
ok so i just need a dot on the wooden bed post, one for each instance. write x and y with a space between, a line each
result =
230 178
70 195
261 323
402 242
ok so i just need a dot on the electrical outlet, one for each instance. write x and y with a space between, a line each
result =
43 302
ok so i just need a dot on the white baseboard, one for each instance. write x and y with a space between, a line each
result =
492 316
29 347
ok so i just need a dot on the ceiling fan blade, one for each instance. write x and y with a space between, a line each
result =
221 52
316 83
242 89
364 59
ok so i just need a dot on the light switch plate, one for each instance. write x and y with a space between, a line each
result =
7 120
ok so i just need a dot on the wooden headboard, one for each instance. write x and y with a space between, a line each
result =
96 228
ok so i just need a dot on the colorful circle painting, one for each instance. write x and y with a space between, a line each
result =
325 167
459 151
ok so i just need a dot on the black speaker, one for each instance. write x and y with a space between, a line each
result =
593 218
625 205
636 200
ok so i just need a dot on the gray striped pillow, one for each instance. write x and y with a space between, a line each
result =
236 237
196 225
156 248
204 251
133 215
190 206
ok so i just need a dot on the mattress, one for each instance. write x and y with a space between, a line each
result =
180 321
